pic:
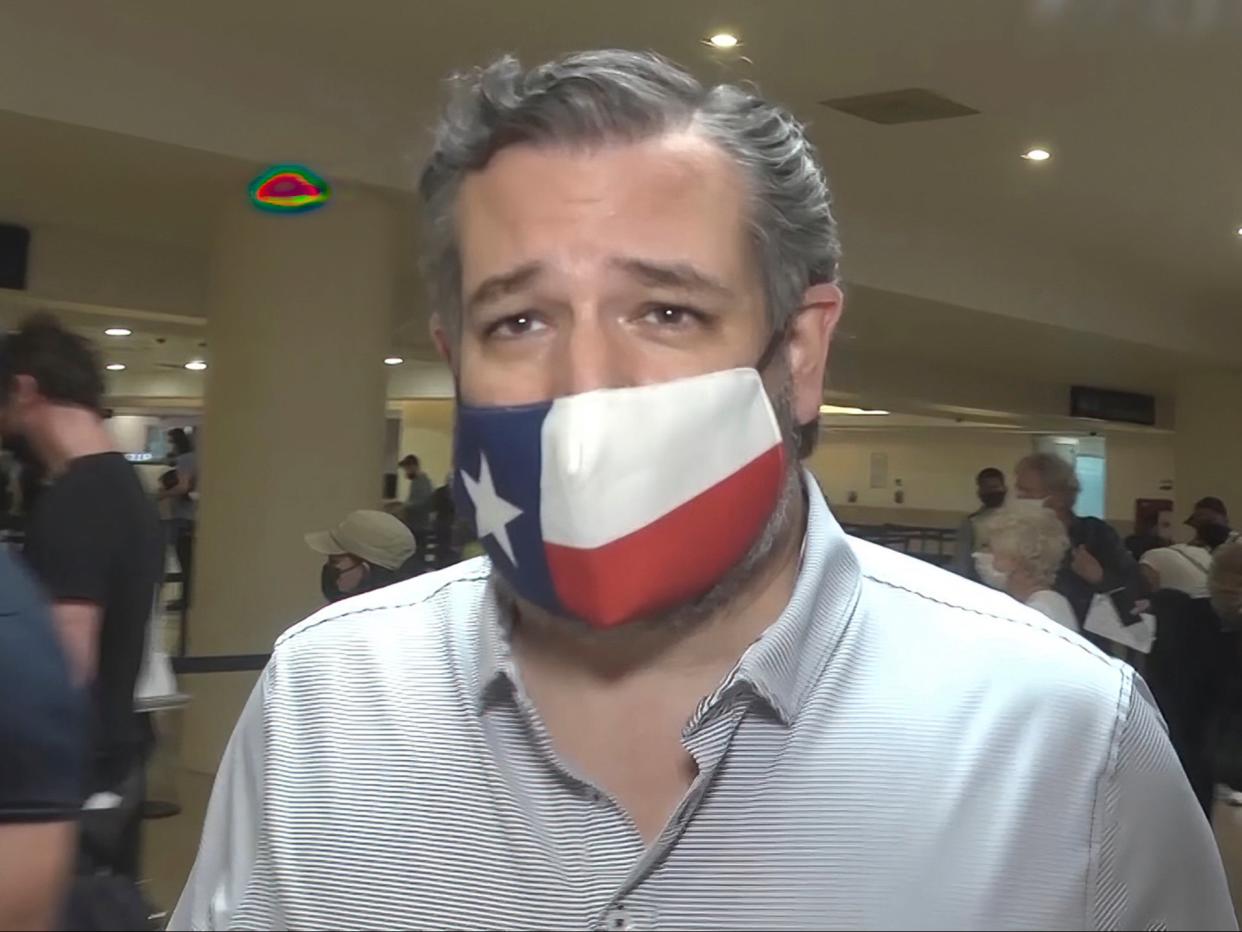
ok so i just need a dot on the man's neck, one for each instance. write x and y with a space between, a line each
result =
710 645
68 432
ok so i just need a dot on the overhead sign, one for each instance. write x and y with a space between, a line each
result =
289 189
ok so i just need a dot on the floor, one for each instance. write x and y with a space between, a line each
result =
170 844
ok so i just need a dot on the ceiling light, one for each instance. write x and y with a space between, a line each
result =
847 409
196 365
723 40
1239 231
393 361
1037 155
118 332
115 367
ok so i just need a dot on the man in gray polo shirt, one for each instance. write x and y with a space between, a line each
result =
675 695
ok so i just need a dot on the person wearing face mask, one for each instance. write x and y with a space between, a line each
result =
991 490
1185 567
674 694
1194 658
366 551
1024 549
1097 562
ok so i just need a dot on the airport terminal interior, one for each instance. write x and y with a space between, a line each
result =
1040 212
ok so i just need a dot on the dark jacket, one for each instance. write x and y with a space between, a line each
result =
1122 577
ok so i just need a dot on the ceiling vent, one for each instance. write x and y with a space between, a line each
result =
911 105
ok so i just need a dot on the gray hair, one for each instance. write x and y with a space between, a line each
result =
1056 474
591 98
1034 538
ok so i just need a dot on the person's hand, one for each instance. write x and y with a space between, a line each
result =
1087 566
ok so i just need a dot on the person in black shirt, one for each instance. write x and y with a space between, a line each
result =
94 542
41 749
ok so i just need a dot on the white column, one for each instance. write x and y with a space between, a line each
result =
299 319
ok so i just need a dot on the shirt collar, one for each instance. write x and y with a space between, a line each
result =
782 666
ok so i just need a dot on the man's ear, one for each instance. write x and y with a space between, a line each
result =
443 341
810 337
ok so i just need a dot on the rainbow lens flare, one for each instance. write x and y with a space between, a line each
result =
289 189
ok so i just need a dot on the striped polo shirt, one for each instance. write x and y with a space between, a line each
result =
900 749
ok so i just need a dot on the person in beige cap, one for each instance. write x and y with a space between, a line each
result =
368 550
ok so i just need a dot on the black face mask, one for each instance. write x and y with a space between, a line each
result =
992 499
330 583
1214 534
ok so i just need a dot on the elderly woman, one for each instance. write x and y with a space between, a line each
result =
1024 548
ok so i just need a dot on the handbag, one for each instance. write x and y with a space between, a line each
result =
1104 619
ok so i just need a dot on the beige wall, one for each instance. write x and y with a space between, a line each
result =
937 468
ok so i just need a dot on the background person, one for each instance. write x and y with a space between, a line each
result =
1023 550
1185 567
183 507
418 501
94 542
368 550
1149 534
991 489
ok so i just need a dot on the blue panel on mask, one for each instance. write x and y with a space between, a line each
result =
511 439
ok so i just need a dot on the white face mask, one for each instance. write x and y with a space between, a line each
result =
985 566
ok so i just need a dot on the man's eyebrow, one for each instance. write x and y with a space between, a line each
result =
673 275
497 286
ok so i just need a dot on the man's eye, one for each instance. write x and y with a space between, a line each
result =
516 325
672 315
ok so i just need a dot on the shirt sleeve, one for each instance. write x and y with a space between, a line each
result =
72 553
227 851
1155 864
42 728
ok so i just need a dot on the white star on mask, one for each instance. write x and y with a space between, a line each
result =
492 513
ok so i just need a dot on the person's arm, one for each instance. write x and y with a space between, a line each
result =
77 625
227 851
42 743
1154 861
180 489
35 863
1105 563
187 476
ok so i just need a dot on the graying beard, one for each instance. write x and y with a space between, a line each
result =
726 590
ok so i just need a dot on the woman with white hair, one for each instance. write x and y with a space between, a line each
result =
1024 548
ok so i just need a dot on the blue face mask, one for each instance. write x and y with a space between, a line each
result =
617 504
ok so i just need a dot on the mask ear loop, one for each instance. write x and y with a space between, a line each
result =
775 342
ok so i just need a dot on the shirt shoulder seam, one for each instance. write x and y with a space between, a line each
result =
371 609
986 614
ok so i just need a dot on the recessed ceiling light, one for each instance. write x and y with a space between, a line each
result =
1239 231
393 361
115 367
723 40
1037 155
196 365
118 332
847 409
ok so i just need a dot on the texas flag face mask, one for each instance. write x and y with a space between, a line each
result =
615 504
